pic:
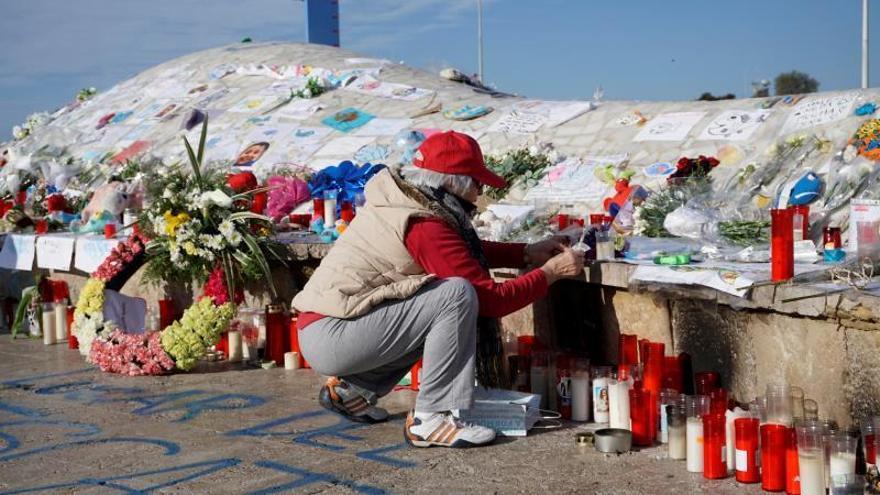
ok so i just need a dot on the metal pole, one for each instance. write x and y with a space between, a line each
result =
864 44
480 40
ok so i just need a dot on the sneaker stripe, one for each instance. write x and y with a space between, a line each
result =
354 401
449 436
357 409
440 433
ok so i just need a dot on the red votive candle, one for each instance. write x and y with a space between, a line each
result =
746 444
166 313
72 343
276 336
346 211
706 381
718 401
596 219
774 442
801 221
109 230
628 352
318 208
714 446
792 466
41 226
293 340
672 375
414 375
870 448
640 407
223 344
653 378
562 220
781 244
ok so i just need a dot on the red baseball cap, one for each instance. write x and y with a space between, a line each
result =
457 154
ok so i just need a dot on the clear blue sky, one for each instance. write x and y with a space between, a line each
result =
636 49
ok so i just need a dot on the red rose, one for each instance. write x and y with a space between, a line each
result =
56 202
242 181
713 162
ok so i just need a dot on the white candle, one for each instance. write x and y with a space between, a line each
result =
618 404
842 463
811 468
731 436
580 397
260 323
247 352
48 319
291 360
60 322
695 445
329 212
600 400
538 377
677 442
235 346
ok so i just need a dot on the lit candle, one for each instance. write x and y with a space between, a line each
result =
48 320
618 403
60 321
291 360
235 349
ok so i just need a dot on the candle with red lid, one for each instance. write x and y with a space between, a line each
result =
714 446
774 443
641 408
747 450
781 244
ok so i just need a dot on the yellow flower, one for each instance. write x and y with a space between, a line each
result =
190 248
173 222
91 299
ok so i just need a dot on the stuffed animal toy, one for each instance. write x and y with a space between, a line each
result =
107 204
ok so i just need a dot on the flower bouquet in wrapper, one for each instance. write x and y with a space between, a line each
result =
690 179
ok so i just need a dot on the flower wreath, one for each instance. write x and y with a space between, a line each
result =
179 346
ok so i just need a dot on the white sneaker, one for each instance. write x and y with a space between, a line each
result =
445 430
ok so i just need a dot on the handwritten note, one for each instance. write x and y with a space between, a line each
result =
734 125
55 252
669 126
91 252
819 110
519 122
18 252
574 181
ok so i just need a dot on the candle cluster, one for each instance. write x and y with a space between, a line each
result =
777 439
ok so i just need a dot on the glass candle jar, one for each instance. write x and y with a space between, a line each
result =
672 374
641 410
706 381
714 446
628 351
774 441
781 244
779 404
601 378
811 409
747 450
869 440
792 478
538 375
677 425
811 462
718 401
580 390
668 397
842 460
797 402
801 221
330 208
697 407
276 333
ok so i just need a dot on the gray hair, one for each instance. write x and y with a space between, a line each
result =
456 184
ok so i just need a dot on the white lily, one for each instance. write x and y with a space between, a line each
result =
216 197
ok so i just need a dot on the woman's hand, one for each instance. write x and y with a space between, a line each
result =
568 263
540 252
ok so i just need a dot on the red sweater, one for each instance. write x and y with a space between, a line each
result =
441 251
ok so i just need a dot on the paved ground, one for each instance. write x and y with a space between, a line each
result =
65 427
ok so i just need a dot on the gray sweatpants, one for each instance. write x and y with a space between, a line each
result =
374 351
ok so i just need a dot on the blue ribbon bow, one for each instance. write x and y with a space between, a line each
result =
347 178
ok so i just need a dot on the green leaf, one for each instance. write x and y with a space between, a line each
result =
203 138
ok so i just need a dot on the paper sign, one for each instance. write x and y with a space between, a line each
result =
819 110
344 146
371 86
734 125
557 112
669 126
347 120
574 180
518 122
383 127
298 109
18 252
55 252
91 252
864 225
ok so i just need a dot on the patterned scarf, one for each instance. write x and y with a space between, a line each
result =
489 348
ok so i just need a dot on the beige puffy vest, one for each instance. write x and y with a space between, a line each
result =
369 262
